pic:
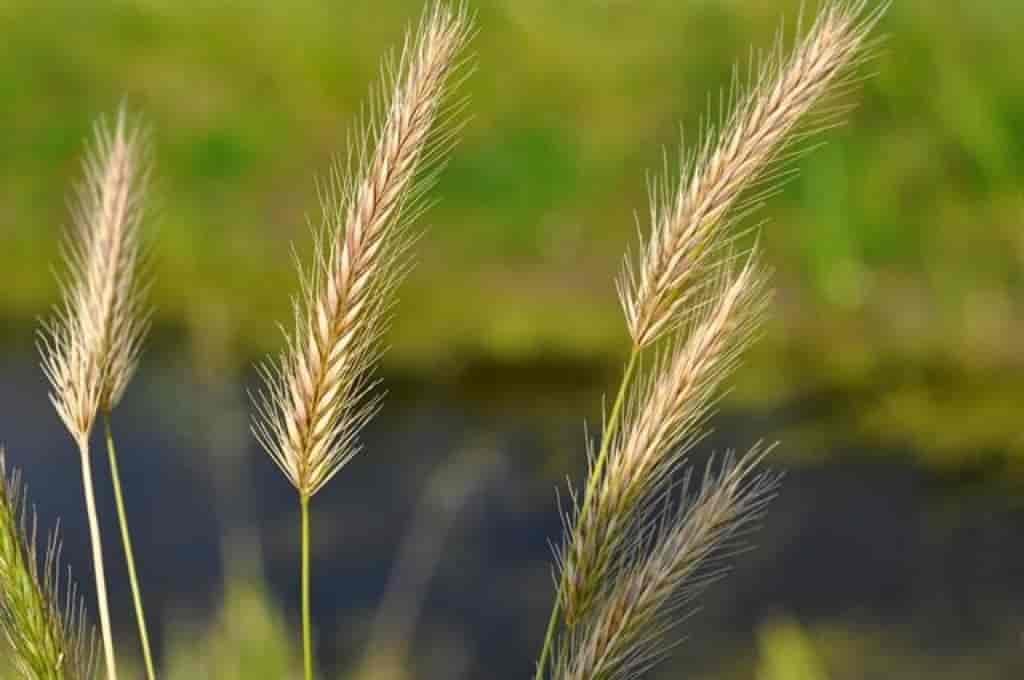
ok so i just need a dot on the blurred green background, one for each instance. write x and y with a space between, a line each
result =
898 250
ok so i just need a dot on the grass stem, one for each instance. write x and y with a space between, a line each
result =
97 562
307 626
122 518
607 436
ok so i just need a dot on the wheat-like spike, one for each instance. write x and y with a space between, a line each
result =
664 420
732 159
91 345
314 400
688 549
41 615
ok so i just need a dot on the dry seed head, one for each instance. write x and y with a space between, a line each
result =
90 346
314 401
715 188
41 615
688 548
662 423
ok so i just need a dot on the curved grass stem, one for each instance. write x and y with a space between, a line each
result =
608 435
129 556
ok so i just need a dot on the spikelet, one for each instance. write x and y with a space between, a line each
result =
314 400
41 614
662 424
91 345
743 155
689 549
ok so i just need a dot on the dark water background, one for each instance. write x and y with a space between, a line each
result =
861 540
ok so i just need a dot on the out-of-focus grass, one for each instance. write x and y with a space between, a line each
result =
247 640
787 653
250 639
787 650
899 248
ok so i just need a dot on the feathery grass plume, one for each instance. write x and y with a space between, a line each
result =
736 165
663 421
41 614
90 347
315 398
687 551
676 288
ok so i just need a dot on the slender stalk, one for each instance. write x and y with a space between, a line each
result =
97 562
307 625
610 429
129 555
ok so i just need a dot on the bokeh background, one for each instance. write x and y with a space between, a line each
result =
891 367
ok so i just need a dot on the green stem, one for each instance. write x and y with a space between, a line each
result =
97 561
307 627
610 429
129 555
